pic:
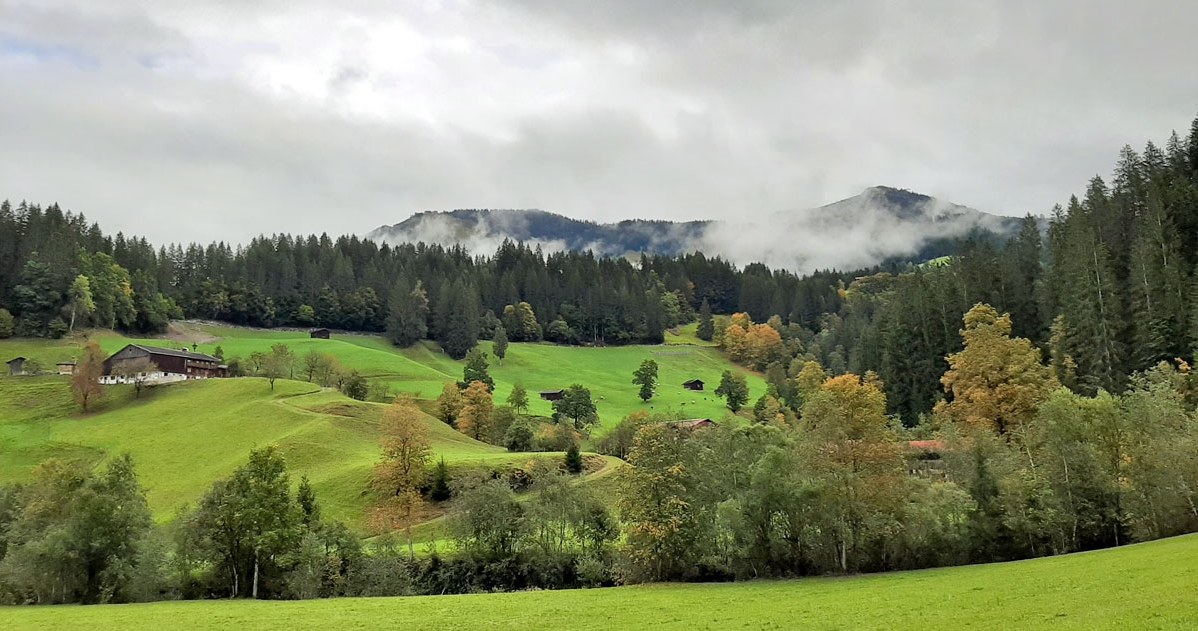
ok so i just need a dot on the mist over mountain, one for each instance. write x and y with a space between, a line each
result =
880 224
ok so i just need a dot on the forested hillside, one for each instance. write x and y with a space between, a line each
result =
1107 291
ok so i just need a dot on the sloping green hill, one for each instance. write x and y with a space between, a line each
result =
423 369
1145 586
186 435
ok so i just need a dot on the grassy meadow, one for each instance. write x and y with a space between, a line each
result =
423 369
184 436
1144 586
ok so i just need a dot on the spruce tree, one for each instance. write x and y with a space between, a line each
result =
573 459
706 323
499 342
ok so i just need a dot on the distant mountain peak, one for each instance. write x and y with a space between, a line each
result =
879 224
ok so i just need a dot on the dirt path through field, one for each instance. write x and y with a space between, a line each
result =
189 333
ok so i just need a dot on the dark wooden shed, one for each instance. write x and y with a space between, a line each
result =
319 334
16 366
552 395
693 384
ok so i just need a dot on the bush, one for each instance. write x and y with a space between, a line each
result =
57 328
519 436
355 386
6 324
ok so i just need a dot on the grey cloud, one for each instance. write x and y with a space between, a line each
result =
673 110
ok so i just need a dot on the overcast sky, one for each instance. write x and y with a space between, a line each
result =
220 120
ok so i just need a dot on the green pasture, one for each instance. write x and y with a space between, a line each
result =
186 435
1144 586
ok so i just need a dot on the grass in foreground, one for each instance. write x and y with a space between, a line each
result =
1145 586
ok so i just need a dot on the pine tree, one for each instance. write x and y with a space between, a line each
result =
706 323
499 342
407 314
573 459
461 321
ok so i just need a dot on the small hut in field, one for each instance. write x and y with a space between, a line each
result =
693 384
319 334
552 395
16 366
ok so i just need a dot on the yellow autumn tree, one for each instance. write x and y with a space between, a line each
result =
763 344
402 470
477 407
996 382
809 379
855 459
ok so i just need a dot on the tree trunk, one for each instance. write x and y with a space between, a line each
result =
255 588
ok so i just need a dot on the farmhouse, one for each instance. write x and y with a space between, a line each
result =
16 366
319 334
169 364
693 384
552 395
66 368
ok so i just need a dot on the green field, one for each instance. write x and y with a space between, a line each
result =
185 436
424 369
1145 586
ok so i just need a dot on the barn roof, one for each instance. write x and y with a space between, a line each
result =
552 392
692 423
15 360
171 352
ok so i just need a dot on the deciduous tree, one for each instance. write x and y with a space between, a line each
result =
85 381
646 377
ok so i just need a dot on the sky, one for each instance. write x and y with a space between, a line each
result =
224 119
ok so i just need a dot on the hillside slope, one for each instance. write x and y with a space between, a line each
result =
1143 586
185 436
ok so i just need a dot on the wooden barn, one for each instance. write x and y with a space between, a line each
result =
693 384
16 366
66 368
170 362
552 395
319 334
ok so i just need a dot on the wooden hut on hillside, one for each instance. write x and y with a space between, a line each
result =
319 334
552 395
66 368
693 384
16 366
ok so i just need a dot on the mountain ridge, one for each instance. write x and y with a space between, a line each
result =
881 223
